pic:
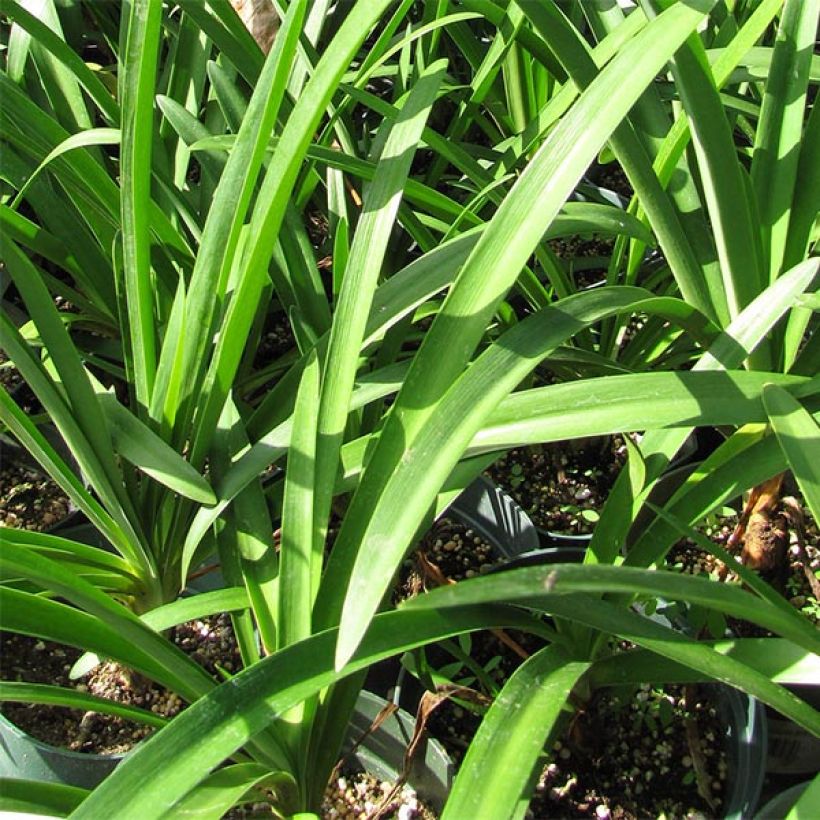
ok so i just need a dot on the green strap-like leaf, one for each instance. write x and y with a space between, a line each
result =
138 74
196 606
300 552
145 449
735 231
21 692
778 659
543 589
631 402
269 210
170 374
689 252
220 792
61 548
34 797
363 267
93 136
807 803
799 436
780 128
533 583
523 717
117 525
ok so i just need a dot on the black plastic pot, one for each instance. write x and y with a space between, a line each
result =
25 758
496 517
381 753
747 738
781 804
792 750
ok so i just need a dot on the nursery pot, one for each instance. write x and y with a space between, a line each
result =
746 738
381 753
496 517
745 717
25 758
792 750
781 804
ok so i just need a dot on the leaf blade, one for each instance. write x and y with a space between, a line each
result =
799 436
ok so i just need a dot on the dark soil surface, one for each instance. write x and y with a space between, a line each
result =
28 499
209 642
275 342
562 485
612 176
448 552
586 258
10 377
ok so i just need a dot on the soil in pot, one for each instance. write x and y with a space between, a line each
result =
356 794
613 177
208 641
353 794
562 485
585 258
449 551
655 752
651 752
10 376
30 500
